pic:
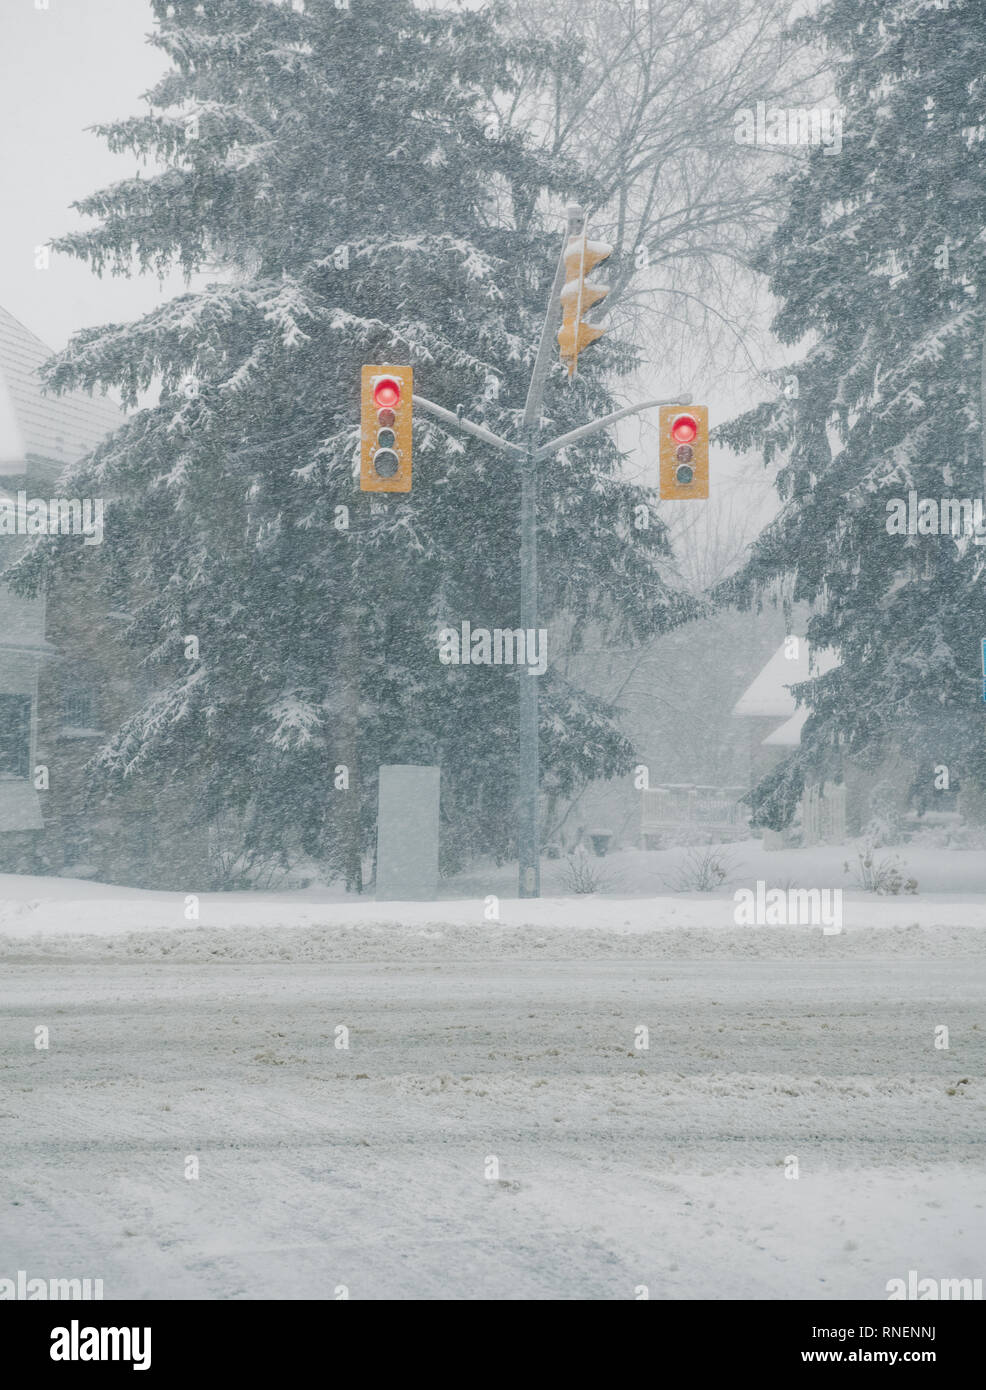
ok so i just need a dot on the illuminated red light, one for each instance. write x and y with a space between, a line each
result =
684 429
387 392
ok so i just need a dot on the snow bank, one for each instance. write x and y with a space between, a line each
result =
482 908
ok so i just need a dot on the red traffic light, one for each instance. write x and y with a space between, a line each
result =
684 429
387 392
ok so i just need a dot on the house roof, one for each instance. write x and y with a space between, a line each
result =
60 429
768 695
788 735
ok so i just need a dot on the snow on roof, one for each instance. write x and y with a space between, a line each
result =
768 696
58 428
788 735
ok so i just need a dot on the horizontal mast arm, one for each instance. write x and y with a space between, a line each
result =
448 417
584 431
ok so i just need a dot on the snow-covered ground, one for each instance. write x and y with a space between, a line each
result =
635 896
370 1167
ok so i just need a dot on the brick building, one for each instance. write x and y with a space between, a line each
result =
66 679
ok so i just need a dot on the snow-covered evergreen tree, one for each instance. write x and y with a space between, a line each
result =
330 166
880 264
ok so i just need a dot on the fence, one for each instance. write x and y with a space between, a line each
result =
688 807
823 814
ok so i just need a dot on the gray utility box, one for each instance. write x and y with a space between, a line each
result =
407 833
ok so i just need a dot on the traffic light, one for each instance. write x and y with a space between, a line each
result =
578 297
385 440
684 452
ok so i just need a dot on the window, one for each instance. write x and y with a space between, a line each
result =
77 709
214 803
15 736
75 846
143 840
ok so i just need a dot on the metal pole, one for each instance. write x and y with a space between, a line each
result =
351 659
584 431
528 771
535 394
528 779
448 417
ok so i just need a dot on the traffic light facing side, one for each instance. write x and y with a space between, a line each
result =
684 452
385 439
578 296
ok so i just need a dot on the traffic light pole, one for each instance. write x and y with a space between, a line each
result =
528 769
527 457
528 755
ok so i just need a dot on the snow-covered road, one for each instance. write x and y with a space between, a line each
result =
370 1167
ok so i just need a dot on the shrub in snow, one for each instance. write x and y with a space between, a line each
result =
582 876
703 869
881 874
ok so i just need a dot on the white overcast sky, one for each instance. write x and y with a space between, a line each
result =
80 62
61 70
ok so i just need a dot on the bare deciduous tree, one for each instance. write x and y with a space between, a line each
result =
647 96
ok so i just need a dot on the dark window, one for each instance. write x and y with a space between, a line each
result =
77 709
143 839
213 804
15 735
75 845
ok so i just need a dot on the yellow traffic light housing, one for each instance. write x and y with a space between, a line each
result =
385 437
684 452
578 296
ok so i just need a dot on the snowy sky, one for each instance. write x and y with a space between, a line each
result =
61 70
84 61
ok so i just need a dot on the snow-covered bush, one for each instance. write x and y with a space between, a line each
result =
881 874
703 869
581 875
